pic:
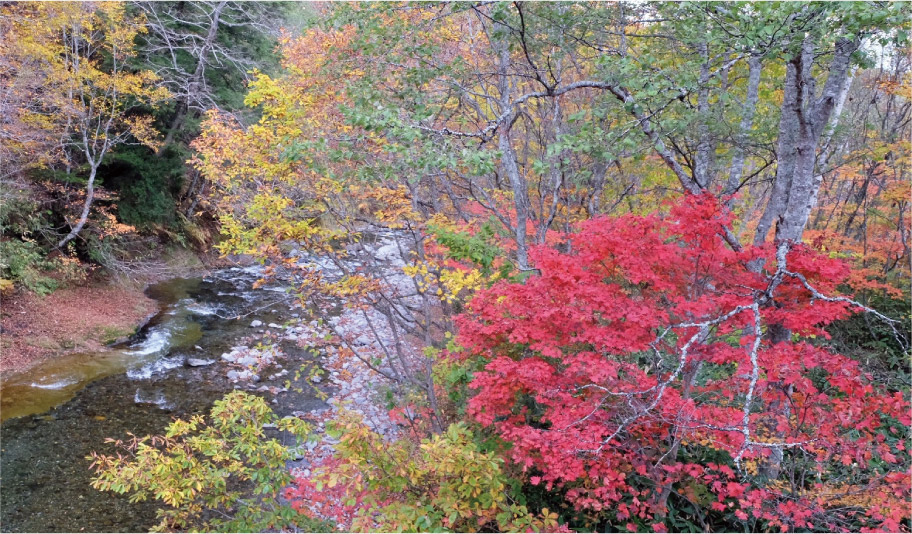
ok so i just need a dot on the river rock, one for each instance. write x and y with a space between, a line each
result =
247 361
256 323
390 253
196 362
273 325
249 375
246 374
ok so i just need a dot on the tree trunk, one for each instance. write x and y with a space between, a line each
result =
801 125
87 206
828 150
805 183
555 175
705 147
803 120
520 198
508 157
787 151
175 126
747 122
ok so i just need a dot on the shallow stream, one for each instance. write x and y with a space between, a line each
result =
57 413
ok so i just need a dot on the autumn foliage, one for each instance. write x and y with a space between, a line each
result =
639 366
585 303
442 483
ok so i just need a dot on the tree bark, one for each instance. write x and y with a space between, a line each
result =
508 157
786 153
705 146
805 183
747 122
520 198
801 125
794 193
828 150
86 208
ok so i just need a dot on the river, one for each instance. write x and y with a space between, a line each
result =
55 414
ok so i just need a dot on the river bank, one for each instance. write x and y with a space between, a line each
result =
73 319
88 316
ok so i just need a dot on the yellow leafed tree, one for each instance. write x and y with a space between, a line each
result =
70 91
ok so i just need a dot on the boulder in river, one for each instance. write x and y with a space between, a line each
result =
256 323
197 362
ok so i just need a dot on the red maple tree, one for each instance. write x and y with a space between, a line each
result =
653 360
